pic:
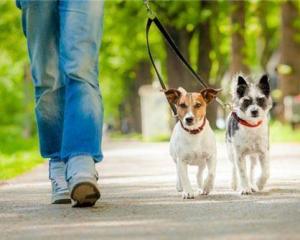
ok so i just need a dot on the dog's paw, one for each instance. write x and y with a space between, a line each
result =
198 192
179 188
206 191
188 195
246 191
260 185
234 186
253 189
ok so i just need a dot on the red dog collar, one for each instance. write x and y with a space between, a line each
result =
194 131
244 122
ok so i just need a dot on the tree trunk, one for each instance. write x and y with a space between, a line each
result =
203 61
238 55
178 75
289 49
216 35
204 42
266 35
143 77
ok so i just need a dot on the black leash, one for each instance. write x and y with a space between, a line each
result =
174 47
152 18
150 21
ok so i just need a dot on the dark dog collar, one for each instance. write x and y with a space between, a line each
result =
244 122
194 131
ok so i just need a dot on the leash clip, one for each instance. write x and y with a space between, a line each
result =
228 106
150 13
225 106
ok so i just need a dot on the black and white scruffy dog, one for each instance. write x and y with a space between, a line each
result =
247 134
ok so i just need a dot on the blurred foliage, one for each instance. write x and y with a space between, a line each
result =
280 132
12 59
123 46
17 154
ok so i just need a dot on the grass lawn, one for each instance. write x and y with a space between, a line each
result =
17 155
279 133
283 133
17 163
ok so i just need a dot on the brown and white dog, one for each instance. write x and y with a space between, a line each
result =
193 141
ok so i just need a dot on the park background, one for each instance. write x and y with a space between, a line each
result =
219 38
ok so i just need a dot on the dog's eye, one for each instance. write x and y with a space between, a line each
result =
182 105
197 105
247 102
260 101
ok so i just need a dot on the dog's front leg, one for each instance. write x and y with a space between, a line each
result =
200 177
178 183
184 179
210 179
232 158
253 161
265 170
241 164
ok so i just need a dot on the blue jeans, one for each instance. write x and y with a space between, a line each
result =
63 38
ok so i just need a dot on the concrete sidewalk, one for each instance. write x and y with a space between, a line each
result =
139 201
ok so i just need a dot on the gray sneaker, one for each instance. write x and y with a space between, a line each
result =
82 181
60 191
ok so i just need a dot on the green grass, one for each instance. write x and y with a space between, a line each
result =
17 163
119 136
283 133
279 133
17 155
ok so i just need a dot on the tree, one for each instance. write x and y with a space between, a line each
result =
238 55
204 61
143 76
124 62
180 20
178 75
267 15
289 68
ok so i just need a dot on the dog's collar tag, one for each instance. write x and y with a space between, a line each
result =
244 122
194 131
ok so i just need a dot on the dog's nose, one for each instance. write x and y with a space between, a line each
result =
254 113
189 120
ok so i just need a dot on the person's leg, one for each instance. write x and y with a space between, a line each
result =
41 28
80 35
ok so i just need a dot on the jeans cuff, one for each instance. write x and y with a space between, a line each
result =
56 159
96 157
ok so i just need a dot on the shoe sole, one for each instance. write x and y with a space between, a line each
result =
62 201
84 194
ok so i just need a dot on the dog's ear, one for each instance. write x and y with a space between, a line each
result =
242 86
172 95
209 94
182 90
264 85
241 80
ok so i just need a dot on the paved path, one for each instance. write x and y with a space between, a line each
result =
139 201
